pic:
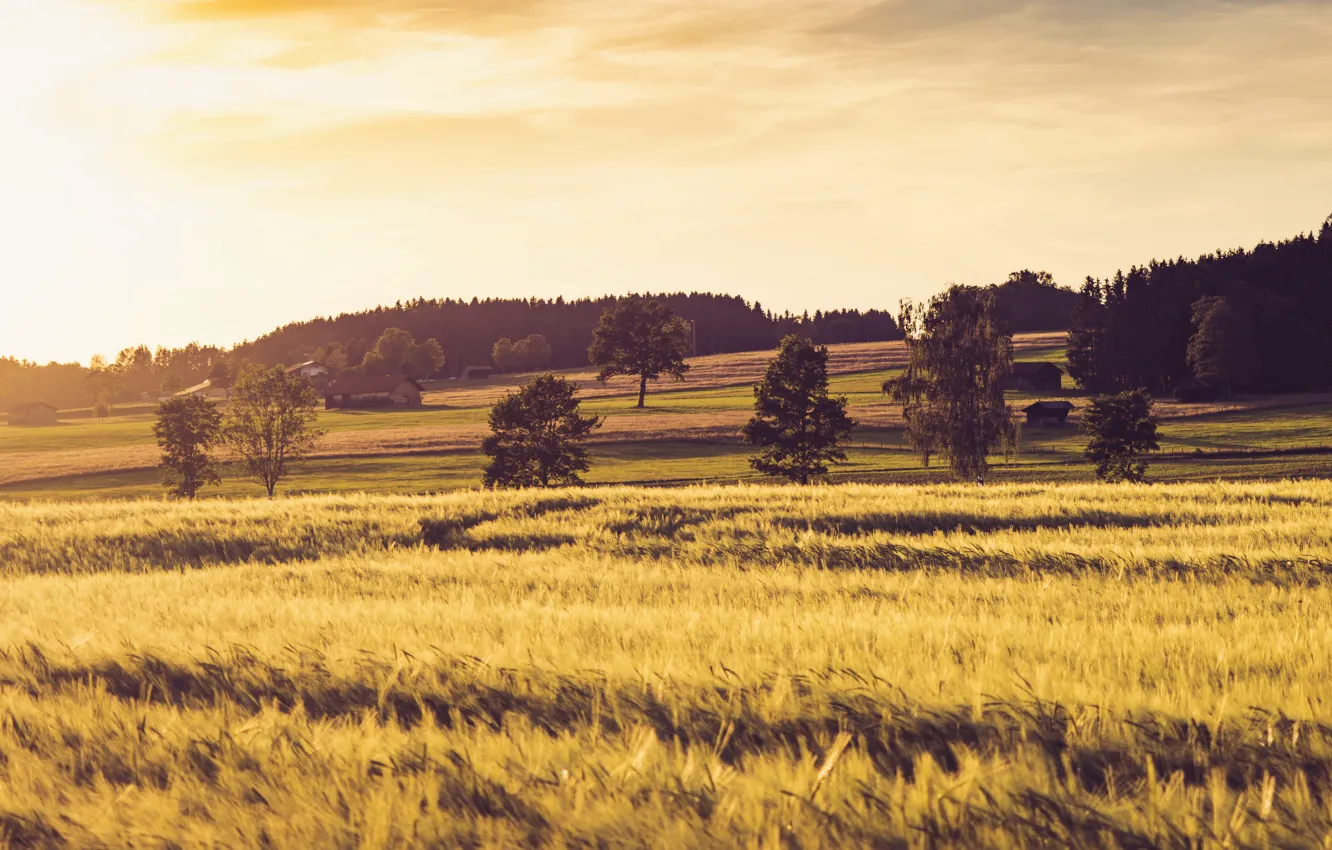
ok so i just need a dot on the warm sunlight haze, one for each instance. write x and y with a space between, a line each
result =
166 162
737 424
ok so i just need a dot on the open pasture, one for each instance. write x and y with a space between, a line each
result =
1086 666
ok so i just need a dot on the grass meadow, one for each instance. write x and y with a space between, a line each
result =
690 433
745 666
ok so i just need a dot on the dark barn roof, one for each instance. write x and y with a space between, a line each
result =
1049 407
369 386
28 407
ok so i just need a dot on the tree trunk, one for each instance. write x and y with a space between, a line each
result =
642 391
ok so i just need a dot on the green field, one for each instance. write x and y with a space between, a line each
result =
689 433
853 666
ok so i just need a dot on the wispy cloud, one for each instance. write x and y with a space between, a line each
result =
874 148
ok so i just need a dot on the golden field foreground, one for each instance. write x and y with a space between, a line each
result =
1087 666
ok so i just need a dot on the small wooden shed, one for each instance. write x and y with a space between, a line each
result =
33 414
1035 378
354 393
1048 414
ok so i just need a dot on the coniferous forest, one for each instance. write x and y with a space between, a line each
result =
1136 328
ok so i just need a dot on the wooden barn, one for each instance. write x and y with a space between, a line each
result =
1048 414
33 414
356 393
1035 378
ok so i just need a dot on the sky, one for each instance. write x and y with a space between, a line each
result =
177 170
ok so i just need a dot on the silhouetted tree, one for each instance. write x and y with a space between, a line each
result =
534 350
187 428
797 424
1032 301
643 338
952 390
424 360
1086 339
390 353
503 354
220 375
538 436
103 383
1221 352
271 422
1122 430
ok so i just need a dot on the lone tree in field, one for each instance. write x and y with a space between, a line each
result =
270 423
187 428
640 337
538 436
799 426
952 393
1222 353
1122 430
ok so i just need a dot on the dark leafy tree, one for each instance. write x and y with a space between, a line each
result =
220 375
172 383
1123 431
538 437
951 391
640 337
103 382
424 360
270 423
1221 352
187 429
533 351
1086 339
503 354
1032 301
797 424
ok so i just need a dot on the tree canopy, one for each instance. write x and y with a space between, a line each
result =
1136 329
1122 430
537 436
187 429
270 423
952 389
1221 352
640 337
798 425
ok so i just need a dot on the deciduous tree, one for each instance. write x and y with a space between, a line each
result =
538 436
271 422
797 424
187 429
952 390
424 359
643 338
535 351
503 354
1122 430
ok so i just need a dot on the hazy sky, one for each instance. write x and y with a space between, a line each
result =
175 170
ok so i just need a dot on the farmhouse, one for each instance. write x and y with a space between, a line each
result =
310 370
33 414
208 391
1035 378
354 392
1045 414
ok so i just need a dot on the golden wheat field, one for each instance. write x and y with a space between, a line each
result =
855 666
